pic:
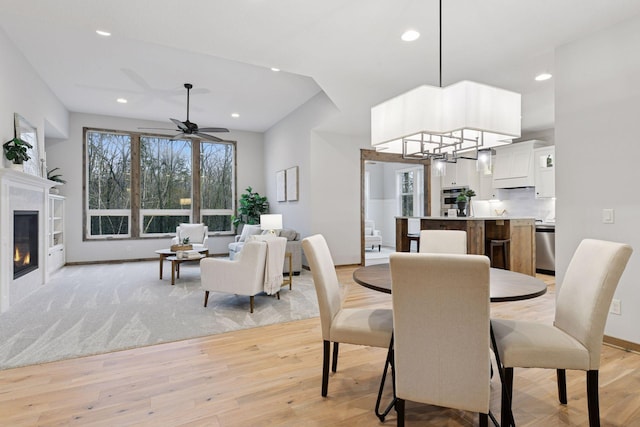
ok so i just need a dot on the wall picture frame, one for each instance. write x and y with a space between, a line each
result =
27 132
281 189
292 183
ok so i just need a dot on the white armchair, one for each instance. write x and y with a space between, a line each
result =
245 275
372 237
198 235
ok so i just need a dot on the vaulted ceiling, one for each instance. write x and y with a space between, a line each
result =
351 50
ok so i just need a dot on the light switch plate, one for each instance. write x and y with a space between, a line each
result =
607 216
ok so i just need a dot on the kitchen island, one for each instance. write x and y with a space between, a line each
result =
519 230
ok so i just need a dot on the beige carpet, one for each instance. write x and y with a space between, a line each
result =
94 309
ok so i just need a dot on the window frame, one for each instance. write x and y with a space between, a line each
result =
135 213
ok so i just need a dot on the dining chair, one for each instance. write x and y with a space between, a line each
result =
362 326
443 241
574 341
447 363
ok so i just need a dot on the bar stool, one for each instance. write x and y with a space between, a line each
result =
499 244
414 237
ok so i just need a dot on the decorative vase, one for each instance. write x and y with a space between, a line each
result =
461 208
17 167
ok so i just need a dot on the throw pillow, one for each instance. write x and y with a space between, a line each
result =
195 232
249 230
289 234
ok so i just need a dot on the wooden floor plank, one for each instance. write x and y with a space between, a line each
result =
270 376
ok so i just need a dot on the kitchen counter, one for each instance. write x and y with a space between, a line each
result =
519 230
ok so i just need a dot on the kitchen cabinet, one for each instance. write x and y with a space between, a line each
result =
485 186
545 172
55 241
514 165
460 174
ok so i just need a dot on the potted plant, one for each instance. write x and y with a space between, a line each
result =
16 150
461 200
57 177
251 206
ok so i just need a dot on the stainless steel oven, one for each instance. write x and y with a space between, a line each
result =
448 198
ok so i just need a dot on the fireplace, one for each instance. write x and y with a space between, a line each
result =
25 242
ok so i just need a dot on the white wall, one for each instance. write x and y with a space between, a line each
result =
597 151
22 91
329 178
67 155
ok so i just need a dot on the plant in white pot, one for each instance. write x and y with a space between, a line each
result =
16 150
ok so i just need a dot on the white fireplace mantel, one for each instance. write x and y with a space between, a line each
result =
21 191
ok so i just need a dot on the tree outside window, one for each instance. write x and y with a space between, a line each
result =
166 174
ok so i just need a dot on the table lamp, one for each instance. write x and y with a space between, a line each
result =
271 222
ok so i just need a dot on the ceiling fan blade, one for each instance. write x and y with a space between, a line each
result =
179 124
209 137
213 130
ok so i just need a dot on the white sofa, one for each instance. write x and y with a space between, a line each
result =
372 237
294 245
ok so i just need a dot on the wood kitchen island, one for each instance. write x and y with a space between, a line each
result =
520 232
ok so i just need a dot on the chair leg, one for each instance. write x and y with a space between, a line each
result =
206 297
334 365
592 398
379 248
326 350
400 411
562 385
484 420
507 398
251 303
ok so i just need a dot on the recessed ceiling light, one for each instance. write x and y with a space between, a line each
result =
410 35
275 69
542 77
103 33
122 100
235 115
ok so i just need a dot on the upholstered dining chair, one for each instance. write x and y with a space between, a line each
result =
443 241
574 341
362 326
245 275
447 363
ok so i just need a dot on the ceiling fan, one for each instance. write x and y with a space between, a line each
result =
190 129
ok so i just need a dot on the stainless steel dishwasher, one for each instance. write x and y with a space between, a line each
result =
546 248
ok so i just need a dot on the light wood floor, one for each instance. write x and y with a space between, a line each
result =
270 376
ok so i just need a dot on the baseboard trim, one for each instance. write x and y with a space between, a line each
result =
119 261
623 344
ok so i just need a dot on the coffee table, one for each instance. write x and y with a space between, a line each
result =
175 265
165 253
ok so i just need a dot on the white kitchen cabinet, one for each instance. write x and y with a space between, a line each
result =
545 172
485 188
460 174
514 165
56 237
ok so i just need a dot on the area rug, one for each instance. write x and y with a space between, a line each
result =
92 309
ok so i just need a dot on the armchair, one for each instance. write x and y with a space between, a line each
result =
198 235
372 237
245 275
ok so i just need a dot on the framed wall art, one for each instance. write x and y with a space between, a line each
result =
281 195
292 183
27 132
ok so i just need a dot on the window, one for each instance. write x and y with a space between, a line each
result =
108 184
410 192
217 184
165 184
174 181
